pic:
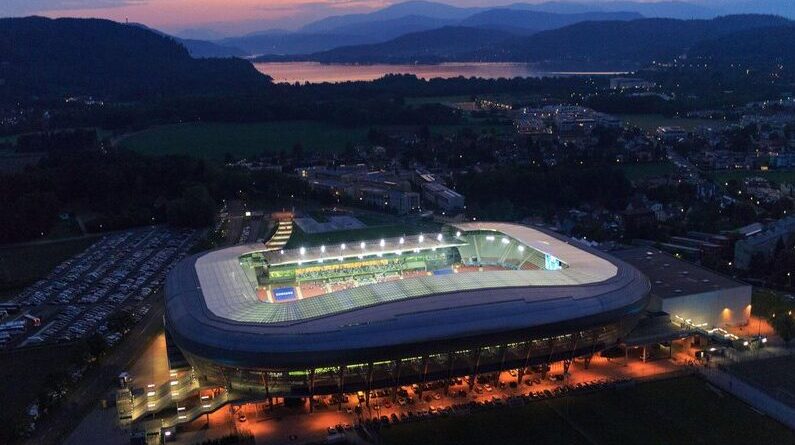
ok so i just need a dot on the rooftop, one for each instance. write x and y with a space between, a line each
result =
671 277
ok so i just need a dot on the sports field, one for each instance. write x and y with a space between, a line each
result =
677 411
214 140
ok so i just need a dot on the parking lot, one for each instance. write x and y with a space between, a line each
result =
102 289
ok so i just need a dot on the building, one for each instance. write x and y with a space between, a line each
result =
689 293
671 134
476 298
762 241
442 197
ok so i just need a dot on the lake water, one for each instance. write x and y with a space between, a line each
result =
314 72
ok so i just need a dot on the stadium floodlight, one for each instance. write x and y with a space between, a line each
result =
362 245
505 240
458 234
382 243
302 250
281 252
521 248
342 246
422 238
402 240
439 237
490 238
323 249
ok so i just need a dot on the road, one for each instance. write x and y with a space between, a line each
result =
97 381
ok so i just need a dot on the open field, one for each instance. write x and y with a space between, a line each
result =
778 176
775 376
683 410
648 170
213 140
650 122
26 374
23 264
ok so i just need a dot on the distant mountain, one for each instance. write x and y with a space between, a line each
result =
539 21
433 46
55 58
199 48
204 49
396 11
294 43
609 45
384 30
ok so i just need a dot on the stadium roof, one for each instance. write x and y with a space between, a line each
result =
212 308
228 293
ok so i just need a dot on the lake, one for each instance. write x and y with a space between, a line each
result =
314 72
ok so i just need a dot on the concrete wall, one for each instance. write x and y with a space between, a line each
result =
718 308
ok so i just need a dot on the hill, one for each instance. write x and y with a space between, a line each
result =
435 46
74 57
752 48
509 19
622 44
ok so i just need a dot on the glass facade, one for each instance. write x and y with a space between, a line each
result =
407 370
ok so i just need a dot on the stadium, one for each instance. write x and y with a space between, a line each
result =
472 299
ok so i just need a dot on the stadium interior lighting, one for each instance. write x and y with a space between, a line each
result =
402 240
505 241
417 250
439 237
458 234
521 248
281 252
490 238
302 250
422 238
340 258
382 243
323 249
362 245
342 246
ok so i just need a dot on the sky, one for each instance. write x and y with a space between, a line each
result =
223 16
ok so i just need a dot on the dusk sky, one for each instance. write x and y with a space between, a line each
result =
226 16
173 15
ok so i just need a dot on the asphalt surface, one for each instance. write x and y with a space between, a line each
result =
96 382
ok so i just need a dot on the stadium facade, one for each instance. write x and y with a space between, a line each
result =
475 298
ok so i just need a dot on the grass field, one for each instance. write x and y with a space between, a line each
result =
776 376
213 140
648 170
678 411
21 265
650 122
778 176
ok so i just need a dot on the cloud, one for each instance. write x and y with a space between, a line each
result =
25 7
